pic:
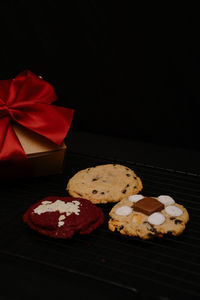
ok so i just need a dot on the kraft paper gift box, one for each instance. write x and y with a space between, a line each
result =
44 157
32 130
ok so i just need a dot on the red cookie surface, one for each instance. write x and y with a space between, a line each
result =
62 217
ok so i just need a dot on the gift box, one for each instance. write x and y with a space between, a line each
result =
32 129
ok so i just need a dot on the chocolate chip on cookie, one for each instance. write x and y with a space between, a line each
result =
104 183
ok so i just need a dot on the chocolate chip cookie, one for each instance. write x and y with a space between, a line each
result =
104 183
147 217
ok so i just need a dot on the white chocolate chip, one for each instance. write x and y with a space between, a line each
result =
62 217
156 219
135 198
166 200
60 223
173 210
123 211
58 205
60 220
46 202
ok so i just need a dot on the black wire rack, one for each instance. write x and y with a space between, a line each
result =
166 268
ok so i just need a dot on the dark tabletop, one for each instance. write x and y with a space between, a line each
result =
33 267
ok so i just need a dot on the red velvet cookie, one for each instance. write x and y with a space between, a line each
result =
62 217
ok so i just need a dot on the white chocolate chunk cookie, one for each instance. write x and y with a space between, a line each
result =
146 217
104 183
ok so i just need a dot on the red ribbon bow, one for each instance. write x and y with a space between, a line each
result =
27 99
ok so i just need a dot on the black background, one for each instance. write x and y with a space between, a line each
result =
127 70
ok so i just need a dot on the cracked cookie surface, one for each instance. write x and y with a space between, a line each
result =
154 220
104 183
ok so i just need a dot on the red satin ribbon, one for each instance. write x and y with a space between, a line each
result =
27 99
